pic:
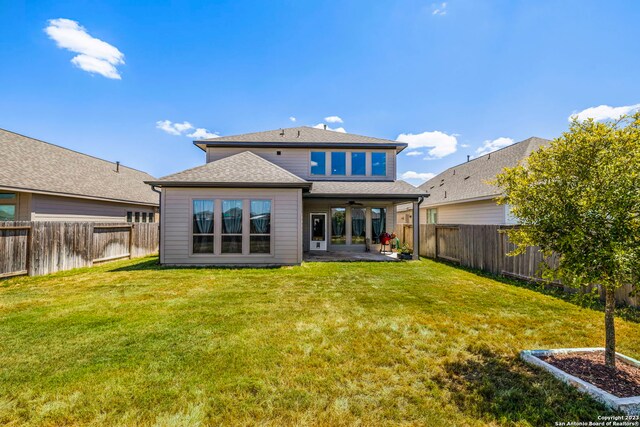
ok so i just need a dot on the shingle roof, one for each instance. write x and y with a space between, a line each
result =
31 164
363 189
302 135
468 180
241 169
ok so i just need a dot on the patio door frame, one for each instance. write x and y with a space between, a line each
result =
317 245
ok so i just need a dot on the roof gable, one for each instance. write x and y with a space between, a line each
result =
33 165
469 181
244 168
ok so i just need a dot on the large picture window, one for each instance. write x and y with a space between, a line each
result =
359 163
202 226
231 226
318 163
378 223
379 164
338 163
260 227
358 226
338 234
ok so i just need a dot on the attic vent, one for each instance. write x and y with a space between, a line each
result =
468 157
281 132
432 187
445 194
298 134
117 167
441 184
466 177
325 127
489 157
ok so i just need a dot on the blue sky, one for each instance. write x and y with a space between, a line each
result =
451 78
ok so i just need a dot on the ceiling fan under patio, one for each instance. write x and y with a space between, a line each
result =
353 203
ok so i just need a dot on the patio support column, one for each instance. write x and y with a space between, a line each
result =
416 230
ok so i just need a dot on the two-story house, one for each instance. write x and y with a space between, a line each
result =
265 198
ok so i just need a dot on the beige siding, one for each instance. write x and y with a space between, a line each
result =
23 210
325 207
56 208
480 212
285 232
297 161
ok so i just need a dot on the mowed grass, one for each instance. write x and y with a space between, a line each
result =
414 343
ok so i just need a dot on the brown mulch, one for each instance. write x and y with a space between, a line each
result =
624 381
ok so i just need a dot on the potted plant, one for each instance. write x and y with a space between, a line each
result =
405 252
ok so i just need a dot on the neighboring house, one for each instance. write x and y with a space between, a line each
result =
462 194
265 198
44 182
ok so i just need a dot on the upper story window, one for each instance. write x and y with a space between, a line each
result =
318 163
338 163
378 164
358 163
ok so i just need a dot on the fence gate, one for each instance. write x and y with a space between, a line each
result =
15 242
112 242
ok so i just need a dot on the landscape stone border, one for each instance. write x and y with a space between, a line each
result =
628 405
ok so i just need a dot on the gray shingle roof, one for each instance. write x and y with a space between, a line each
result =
468 180
31 164
302 135
387 189
241 169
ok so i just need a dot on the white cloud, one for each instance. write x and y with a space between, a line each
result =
417 176
604 112
293 119
415 153
181 129
322 126
202 133
333 119
95 56
173 128
440 143
465 145
490 146
439 9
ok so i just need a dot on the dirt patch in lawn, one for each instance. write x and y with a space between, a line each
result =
624 381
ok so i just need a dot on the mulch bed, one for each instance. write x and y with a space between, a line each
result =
624 381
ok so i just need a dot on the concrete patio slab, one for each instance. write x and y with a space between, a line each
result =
347 256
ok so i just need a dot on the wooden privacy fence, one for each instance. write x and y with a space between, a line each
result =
485 248
37 248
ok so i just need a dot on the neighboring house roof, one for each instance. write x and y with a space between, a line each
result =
240 170
469 181
364 189
302 136
36 166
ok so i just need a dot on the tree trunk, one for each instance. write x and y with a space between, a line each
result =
610 331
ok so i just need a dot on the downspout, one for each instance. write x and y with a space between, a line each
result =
153 188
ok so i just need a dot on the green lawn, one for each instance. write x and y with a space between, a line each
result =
414 343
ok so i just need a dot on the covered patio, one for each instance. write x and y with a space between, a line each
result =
345 220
